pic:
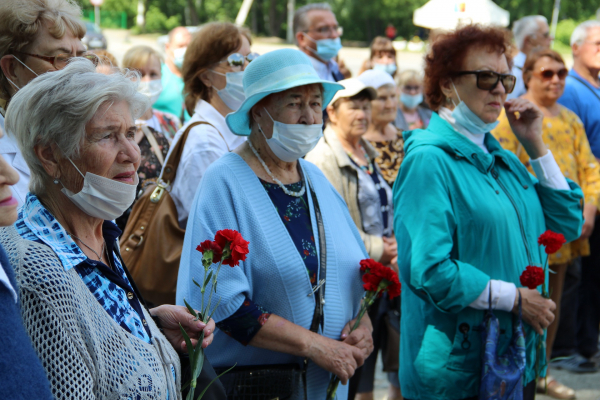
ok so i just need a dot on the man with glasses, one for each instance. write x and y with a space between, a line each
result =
577 337
29 49
531 33
318 35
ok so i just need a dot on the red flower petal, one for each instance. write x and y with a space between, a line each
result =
552 241
532 277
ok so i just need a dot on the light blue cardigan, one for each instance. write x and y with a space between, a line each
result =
230 196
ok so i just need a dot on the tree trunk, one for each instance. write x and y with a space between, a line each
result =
193 12
273 27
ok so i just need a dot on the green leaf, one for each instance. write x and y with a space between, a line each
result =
196 283
191 309
199 359
214 310
208 278
188 345
215 286
214 379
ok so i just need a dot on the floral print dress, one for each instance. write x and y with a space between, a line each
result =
295 215
391 154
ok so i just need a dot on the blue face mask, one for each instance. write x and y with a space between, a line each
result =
469 120
389 68
326 48
411 101
178 56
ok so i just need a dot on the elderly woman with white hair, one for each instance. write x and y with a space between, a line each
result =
287 310
89 325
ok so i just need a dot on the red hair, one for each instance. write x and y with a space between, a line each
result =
448 52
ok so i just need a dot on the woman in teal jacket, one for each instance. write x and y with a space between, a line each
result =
467 218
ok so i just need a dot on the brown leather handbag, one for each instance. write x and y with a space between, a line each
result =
152 241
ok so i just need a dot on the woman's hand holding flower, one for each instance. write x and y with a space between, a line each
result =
537 310
361 337
339 358
171 316
528 126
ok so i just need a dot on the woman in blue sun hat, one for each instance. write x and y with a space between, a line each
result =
299 290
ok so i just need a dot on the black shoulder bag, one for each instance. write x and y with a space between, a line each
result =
280 381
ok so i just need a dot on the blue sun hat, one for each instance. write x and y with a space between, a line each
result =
275 72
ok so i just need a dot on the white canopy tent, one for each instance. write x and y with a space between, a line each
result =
448 14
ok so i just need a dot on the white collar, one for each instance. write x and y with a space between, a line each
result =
519 60
204 111
446 115
324 70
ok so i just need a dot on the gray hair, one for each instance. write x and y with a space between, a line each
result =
581 32
56 106
301 21
526 26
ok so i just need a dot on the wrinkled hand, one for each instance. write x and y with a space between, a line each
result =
528 127
589 213
171 316
537 310
361 337
336 357
390 250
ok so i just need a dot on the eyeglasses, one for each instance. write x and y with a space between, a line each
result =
410 88
488 80
237 60
328 30
548 74
60 61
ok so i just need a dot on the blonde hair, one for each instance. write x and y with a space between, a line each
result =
138 57
21 20
410 75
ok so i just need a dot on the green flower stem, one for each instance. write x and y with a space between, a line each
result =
368 302
206 312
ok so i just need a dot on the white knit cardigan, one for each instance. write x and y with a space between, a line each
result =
85 353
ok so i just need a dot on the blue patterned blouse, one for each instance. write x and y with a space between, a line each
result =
111 288
295 215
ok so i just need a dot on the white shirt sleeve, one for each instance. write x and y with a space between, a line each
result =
503 296
6 282
548 172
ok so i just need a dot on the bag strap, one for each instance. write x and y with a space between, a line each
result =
319 289
153 144
170 169
586 84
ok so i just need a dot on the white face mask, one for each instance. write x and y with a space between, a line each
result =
152 89
102 197
233 93
178 56
292 141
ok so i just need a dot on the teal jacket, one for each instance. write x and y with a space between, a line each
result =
461 218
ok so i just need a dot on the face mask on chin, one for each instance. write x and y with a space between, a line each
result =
102 197
468 119
290 142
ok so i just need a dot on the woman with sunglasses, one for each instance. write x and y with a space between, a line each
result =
544 75
467 215
213 69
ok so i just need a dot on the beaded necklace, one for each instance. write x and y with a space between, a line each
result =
367 168
299 193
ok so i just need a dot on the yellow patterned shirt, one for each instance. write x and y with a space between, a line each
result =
566 139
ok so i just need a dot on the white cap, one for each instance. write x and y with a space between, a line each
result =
352 87
376 78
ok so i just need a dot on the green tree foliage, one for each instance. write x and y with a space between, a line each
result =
362 19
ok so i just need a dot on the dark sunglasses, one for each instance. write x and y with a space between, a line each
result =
488 80
548 74
61 60
237 60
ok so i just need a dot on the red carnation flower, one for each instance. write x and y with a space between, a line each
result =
532 277
552 241
234 246
375 273
208 246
